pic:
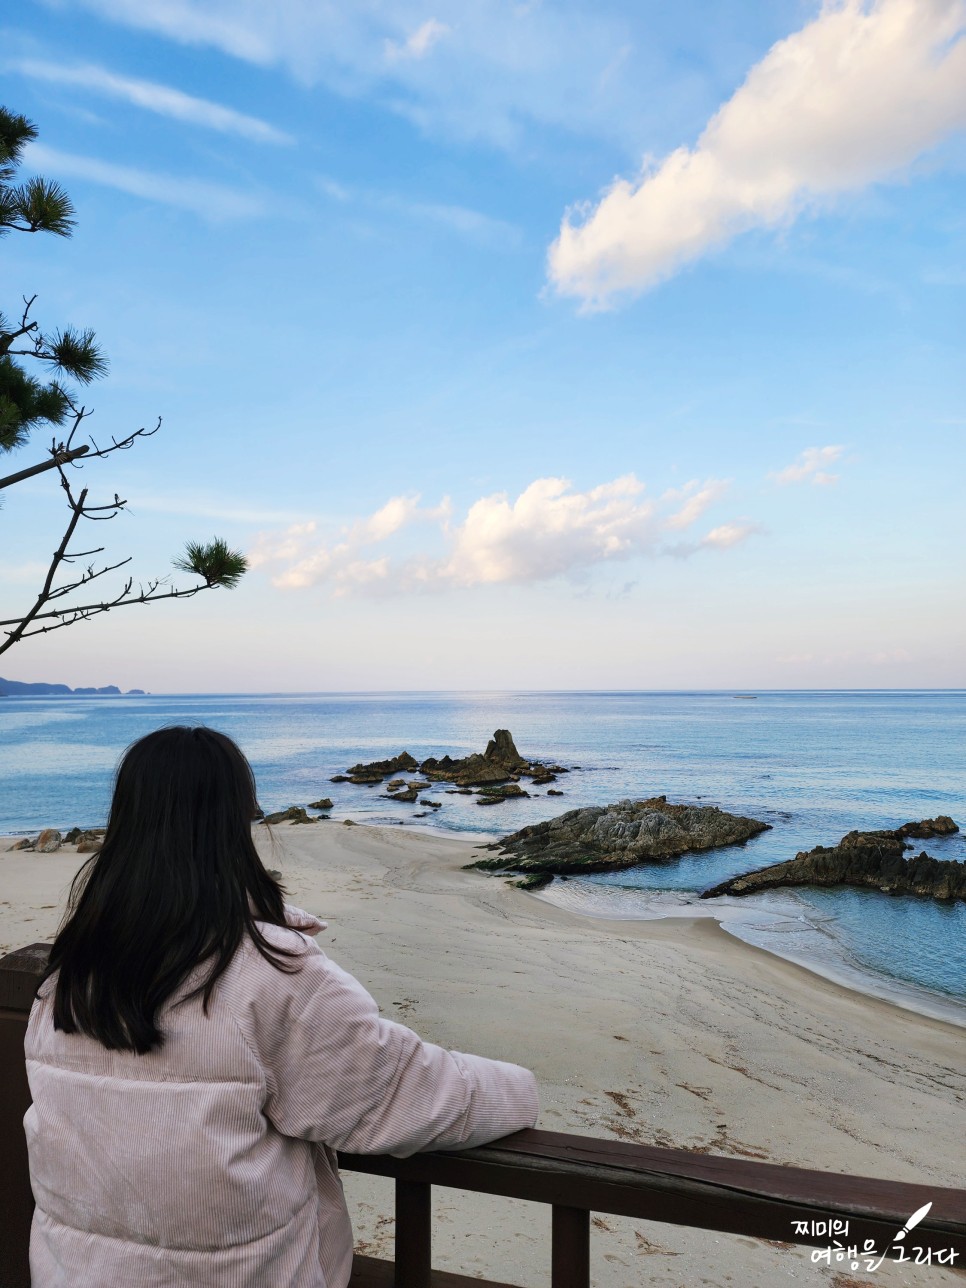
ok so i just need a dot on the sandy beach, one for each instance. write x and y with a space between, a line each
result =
665 1032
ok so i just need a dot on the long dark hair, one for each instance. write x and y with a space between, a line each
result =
177 882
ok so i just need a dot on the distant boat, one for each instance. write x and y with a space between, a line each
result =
745 697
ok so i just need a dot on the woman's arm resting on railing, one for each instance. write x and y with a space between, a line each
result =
341 1075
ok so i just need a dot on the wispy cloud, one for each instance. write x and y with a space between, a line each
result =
213 201
480 71
419 43
852 98
210 507
548 531
810 467
465 222
161 99
30 573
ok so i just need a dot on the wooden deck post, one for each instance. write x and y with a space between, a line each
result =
570 1248
413 1234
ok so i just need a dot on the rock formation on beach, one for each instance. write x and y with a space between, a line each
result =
47 842
607 838
294 814
495 773
50 839
873 860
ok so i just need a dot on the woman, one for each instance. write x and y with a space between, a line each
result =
195 1060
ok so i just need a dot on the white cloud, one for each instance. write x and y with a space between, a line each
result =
419 43
397 513
153 97
724 537
696 497
548 531
809 467
213 201
727 535
287 545
306 561
852 98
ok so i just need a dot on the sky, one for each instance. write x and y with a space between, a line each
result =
519 345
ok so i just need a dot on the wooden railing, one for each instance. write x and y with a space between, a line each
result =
574 1175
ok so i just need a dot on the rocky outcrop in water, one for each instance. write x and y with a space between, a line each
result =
500 792
496 772
409 794
607 838
502 749
377 770
872 860
500 763
941 825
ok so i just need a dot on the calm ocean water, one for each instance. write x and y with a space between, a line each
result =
814 765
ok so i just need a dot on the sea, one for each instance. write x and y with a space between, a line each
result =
814 765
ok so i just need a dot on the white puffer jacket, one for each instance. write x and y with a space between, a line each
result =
211 1161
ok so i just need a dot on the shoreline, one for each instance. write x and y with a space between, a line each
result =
856 978
666 1032
732 918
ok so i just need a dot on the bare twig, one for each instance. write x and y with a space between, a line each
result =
64 454
82 612
77 511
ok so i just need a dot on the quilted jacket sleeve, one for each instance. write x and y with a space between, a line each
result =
341 1075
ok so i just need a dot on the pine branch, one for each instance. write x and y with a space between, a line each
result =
15 133
215 562
60 457
39 206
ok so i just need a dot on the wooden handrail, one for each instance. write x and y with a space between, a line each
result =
575 1175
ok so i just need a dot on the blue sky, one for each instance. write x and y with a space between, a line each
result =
520 345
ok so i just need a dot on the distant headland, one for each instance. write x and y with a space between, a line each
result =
18 689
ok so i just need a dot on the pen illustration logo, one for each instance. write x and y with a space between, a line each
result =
914 1220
